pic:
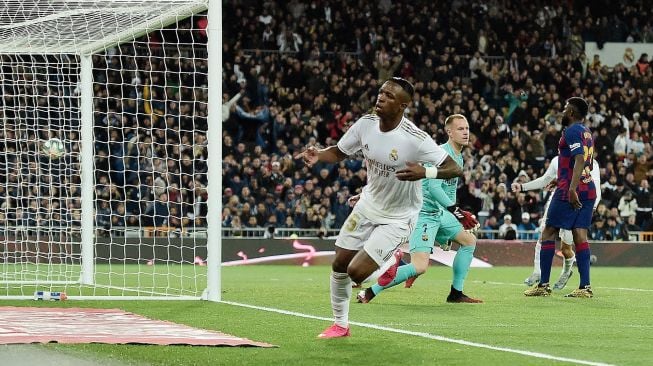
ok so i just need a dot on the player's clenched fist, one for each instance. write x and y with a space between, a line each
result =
411 172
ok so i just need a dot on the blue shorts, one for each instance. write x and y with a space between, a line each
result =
562 215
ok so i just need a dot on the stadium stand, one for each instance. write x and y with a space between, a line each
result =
298 73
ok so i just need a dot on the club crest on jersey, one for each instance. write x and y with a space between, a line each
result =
394 155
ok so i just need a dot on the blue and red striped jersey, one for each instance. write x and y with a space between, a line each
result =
576 139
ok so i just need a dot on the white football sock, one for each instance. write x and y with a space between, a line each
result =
340 295
569 264
536 259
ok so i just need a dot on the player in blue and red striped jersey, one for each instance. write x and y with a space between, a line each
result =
572 203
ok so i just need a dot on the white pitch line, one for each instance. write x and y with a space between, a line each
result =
595 287
426 335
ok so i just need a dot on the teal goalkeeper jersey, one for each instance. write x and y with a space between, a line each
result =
440 193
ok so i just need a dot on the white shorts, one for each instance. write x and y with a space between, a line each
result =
378 241
565 235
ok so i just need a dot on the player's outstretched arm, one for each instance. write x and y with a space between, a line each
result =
449 169
413 171
312 155
596 176
541 182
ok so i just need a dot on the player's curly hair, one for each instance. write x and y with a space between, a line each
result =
580 105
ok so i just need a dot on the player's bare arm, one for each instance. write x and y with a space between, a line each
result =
579 165
413 171
312 155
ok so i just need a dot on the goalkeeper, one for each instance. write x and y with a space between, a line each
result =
440 220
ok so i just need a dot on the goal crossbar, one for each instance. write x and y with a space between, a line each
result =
64 29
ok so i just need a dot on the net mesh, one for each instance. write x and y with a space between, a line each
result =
149 146
40 207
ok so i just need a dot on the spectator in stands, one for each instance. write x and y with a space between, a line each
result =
598 231
627 205
621 143
508 230
616 230
526 225
632 224
644 200
643 63
490 226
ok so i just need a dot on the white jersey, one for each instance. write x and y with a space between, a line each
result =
552 173
385 199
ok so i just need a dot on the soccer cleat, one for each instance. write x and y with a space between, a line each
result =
585 292
334 331
462 298
456 296
365 296
538 290
533 279
391 273
562 281
409 282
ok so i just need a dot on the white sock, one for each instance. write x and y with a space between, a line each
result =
569 263
536 259
340 295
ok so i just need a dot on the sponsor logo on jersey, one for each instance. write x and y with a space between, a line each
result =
574 146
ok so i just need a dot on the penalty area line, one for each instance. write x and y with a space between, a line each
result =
425 335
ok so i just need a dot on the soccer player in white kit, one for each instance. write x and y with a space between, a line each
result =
387 210
566 238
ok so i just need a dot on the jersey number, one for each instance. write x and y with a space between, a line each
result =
588 157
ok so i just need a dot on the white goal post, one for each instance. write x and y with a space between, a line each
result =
132 209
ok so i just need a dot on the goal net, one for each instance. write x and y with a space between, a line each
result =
124 84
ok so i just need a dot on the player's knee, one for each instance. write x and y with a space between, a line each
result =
339 266
357 274
549 233
420 267
466 239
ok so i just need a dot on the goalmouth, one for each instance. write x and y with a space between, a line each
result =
132 209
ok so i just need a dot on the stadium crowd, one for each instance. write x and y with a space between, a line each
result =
298 73
508 74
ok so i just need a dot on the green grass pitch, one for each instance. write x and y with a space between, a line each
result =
615 327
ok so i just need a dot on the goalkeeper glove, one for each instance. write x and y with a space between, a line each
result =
465 217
